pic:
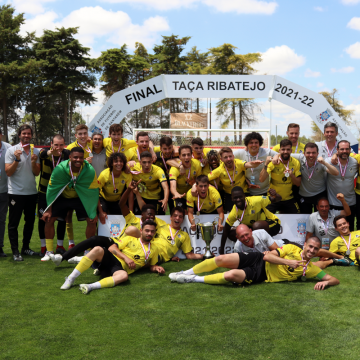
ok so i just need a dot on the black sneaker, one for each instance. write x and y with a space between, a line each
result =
342 262
2 254
29 252
17 257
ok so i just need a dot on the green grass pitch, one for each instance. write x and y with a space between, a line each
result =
149 317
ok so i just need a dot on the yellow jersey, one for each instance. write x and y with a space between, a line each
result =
237 176
132 153
338 245
207 205
124 146
131 247
282 184
107 187
206 170
87 149
255 210
168 245
151 180
277 273
300 149
357 158
204 153
185 182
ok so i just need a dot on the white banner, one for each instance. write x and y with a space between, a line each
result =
293 229
220 86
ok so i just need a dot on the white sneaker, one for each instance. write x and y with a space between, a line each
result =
47 256
75 260
173 276
97 272
67 284
84 288
185 278
56 259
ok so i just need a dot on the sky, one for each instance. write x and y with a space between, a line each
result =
314 43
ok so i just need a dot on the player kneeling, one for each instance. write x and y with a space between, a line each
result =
283 264
119 260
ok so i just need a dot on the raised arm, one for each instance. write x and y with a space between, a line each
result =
331 169
263 173
347 210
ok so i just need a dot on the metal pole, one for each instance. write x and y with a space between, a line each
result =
270 123
276 134
210 121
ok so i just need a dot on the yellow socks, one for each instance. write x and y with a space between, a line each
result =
205 266
50 245
215 279
107 282
69 231
84 264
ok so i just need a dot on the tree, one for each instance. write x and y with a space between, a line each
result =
16 63
344 114
224 60
67 73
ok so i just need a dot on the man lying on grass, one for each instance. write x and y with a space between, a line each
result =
283 264
121 259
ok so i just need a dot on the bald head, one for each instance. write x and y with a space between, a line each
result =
244 234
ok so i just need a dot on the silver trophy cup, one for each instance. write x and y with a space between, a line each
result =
207 231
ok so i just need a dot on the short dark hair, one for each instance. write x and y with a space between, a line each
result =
116 128
293 125
97 133
339 217
285 142
77 149
141 133
112 157
147 207
57 136
237 188
148 222
212 153
197 141
203 179
145 154
253 136
179 209
182 147
311 145
24 127
165 141
331 124
81 127
315 238
224 150
341 141
323 198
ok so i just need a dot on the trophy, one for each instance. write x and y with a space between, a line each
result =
207 233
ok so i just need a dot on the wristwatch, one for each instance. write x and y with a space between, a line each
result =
17 160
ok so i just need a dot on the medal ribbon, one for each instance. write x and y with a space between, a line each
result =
242 215
345 167
113 179
146 253
297 144
257 156
304 266
54 166
286 165
310 176
232 181
72 175
325 225
164 162
118 147
88 149
347 245
198 205
332 151
173 237
210 171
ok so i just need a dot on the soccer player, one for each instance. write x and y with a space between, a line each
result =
73 186
253 141
22 165
116 142
143 144
250 211
119 261
181 184
328 146
99 153
112 182
49 159
152 180
283 264
82 141
293 133
283 177
198 150
213 162
321 222
314 170
207 201
231 172
348 168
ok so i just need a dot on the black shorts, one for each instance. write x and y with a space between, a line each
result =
285 207
62 205
254 266
42 205
110 207
109 264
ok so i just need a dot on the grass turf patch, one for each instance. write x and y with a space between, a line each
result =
149 317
